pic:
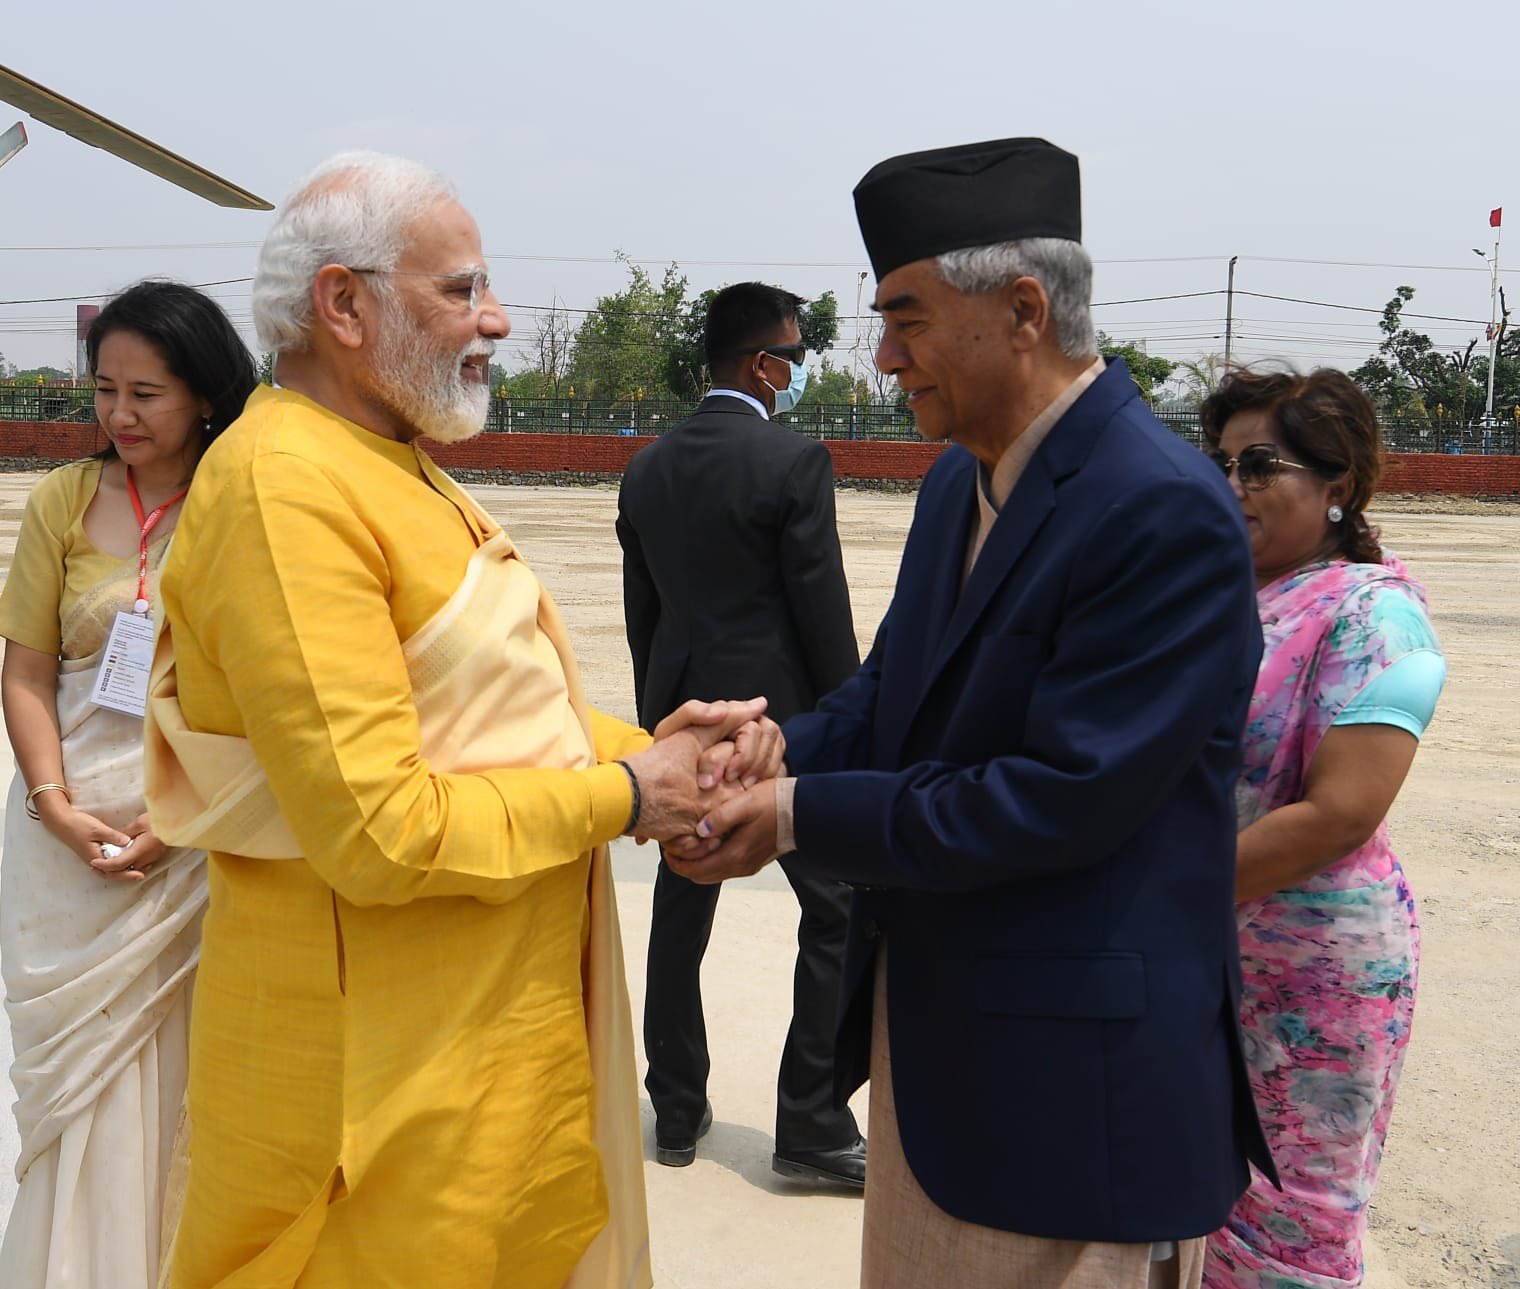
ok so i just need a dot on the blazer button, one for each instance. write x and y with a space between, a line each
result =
872 929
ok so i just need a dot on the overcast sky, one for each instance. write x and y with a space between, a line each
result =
727 137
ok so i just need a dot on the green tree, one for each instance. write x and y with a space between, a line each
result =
528 383
686 360
819 323
1148 371
41 375
266 368
623 345
1410 376
830 384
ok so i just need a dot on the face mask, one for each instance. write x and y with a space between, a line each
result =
788 398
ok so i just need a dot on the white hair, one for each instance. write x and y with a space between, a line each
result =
352 209
1061 266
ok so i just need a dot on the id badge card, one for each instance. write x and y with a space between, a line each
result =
122 682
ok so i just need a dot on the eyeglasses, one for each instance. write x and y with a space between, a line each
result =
472 284
1259 465
792 353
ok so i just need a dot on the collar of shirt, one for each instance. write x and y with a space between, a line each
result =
995 489
739 393
993 492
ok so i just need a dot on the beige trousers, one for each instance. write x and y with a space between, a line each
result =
911 1243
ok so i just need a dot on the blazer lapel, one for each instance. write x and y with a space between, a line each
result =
925 600
1032 500
928 649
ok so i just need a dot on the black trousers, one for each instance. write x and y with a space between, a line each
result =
675 1033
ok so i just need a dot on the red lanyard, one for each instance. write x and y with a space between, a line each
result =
147 523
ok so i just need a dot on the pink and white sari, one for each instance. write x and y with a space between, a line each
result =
1330 966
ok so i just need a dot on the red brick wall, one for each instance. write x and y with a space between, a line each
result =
598 454
1463 476
608 454
49 441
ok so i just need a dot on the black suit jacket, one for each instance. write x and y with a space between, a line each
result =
733 584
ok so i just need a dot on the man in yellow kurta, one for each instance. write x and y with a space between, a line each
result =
410 1052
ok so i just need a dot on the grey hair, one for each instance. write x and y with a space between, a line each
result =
1062 267
352 209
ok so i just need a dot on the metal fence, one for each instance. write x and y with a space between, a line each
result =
47 403
817 420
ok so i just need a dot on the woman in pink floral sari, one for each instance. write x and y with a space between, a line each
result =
1329 941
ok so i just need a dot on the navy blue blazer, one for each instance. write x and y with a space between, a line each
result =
1032 784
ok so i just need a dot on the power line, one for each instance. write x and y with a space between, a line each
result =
1369 264
1359 308
643 260
102 295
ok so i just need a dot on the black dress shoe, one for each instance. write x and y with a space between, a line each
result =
845 1165
677 1152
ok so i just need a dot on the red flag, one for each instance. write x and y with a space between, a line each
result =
1494 216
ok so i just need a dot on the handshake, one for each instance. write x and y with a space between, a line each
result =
706 789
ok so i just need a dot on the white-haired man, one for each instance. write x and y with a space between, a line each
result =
1030 780
411 1048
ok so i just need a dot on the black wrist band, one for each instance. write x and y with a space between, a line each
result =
638 798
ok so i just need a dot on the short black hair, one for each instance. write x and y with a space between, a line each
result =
196 339
743 317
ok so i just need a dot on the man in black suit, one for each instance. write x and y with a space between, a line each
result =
733 582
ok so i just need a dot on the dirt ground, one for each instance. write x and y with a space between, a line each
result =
1447 1213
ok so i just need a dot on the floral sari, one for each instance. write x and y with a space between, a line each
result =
1330 965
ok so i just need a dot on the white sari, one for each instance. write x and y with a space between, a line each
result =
97 982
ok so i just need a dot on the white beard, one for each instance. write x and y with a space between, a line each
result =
412 380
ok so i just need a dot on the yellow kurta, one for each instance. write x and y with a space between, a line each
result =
390 1080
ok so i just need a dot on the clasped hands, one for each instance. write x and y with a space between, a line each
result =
137 848
708 789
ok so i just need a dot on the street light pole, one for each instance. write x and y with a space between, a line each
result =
860 285
1229 313
1493 332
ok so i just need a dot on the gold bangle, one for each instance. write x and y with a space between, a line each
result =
31 810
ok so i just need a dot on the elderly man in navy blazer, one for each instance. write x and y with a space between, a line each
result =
1030 779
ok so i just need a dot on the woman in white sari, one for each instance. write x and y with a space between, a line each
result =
99 948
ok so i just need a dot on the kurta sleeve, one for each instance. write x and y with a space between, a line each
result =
34 588
615 739
286 591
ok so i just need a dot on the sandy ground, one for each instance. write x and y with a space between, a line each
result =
1448 1211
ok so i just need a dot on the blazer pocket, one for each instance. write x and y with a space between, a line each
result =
1089 986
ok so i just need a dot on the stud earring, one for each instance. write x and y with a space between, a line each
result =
1335 514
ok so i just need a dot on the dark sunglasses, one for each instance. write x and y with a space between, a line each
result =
1259 465
792 353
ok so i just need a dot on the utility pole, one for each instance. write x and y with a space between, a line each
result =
860 284
1229 313
1493 327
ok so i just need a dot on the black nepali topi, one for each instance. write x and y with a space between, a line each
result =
923 204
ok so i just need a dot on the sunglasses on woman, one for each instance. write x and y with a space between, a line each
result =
1259 465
